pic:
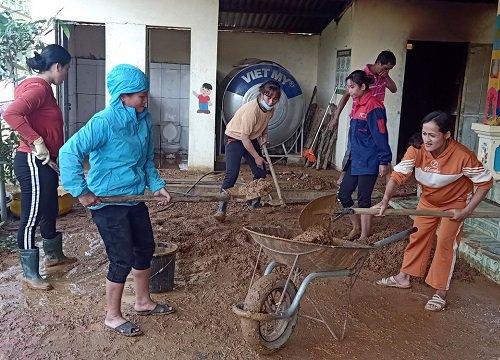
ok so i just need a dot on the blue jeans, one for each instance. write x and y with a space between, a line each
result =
234 152
128 237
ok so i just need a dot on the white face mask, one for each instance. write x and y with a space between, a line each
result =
265 105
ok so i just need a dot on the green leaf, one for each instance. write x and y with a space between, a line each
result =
66 30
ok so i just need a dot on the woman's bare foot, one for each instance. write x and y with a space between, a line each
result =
353 234
364 238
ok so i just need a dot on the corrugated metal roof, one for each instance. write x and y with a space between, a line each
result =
287 16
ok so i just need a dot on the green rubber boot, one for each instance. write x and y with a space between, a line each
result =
31 273
54 254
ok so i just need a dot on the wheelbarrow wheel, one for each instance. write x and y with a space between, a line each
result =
263 297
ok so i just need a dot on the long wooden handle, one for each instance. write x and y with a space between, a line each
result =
273 174
174 199
436 213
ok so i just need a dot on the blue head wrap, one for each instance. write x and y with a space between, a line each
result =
125 79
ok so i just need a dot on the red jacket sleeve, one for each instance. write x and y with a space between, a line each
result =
29 101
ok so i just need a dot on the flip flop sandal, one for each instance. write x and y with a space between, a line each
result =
392 282
436 303
160 309
126 329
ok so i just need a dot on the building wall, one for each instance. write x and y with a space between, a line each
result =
297 53
169 46
90 40
126 24
335 37
378 25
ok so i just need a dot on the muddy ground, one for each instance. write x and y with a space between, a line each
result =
213 269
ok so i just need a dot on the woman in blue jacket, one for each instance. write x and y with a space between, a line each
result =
119 144
370 154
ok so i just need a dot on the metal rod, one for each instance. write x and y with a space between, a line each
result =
421 212
302 289
399 236
3 200
174 199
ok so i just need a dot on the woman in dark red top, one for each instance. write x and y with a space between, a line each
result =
37 118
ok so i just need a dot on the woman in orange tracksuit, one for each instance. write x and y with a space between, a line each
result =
447 172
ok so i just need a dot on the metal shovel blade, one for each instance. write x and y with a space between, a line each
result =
318 212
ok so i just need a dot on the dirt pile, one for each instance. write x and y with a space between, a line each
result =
255 188
319 235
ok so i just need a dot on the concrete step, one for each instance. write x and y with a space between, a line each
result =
481 252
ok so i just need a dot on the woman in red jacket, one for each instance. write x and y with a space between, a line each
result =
37 118
370 153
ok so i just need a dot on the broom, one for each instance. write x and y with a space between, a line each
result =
309 153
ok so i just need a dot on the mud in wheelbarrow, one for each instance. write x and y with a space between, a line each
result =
270 310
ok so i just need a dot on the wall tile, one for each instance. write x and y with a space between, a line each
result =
170 83
100 79
170 110
155 82
184 138
156 137
184 112
86 82
100 102
85 108
184 90
166 66
154 106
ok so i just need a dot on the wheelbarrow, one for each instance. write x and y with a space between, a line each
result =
270 310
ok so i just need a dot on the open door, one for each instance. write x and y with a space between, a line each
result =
434 74
474 93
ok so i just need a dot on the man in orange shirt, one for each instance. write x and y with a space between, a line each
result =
448 172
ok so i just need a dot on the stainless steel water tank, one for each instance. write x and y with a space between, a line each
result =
242 85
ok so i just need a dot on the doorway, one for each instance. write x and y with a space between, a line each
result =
434 75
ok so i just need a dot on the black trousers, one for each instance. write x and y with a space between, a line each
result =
235 150
128 237
365 185
39 199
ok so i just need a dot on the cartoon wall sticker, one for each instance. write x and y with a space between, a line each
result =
204 98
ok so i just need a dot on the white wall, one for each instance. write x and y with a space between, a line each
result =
128 18
334 37
297 53
379 25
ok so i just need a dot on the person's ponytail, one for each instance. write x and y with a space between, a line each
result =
50 55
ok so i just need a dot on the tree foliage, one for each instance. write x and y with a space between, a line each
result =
19 37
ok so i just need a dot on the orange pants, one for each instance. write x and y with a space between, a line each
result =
418 250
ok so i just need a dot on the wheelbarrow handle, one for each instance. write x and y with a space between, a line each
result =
396 237
419 212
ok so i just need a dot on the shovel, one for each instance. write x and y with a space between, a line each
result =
416 212
174 199
273 174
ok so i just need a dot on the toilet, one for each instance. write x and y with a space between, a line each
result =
170 137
